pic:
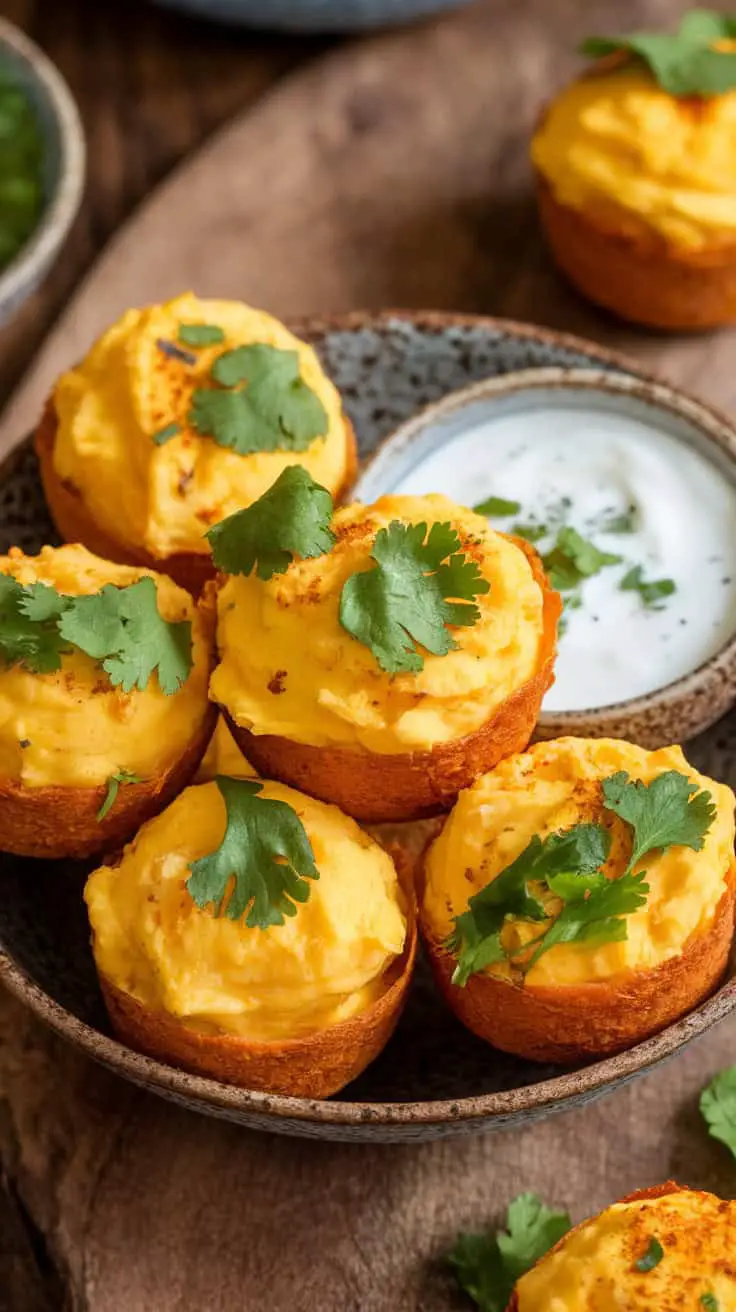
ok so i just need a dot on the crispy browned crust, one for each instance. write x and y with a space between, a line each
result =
311 1067
657 1191
640 278
62 822
378 788
190 569
585 1021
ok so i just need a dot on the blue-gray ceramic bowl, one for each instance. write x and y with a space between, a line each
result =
434 1078
64 162
313 15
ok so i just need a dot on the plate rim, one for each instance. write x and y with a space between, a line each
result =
559 1091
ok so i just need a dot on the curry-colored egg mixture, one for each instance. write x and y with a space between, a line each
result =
556 785
164 498
617 147
72 727
594 1268
307 679
323 965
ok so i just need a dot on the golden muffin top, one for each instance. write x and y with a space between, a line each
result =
641 837
613 1261
182 413
197 920
639 160
114 683
355 645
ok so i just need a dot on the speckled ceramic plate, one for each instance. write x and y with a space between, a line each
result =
434 1078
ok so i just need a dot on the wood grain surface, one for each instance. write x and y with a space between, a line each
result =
392 171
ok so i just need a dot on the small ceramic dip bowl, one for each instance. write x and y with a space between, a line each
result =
628 490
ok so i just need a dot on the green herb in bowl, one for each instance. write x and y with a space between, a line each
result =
21 169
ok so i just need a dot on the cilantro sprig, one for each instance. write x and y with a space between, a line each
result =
573 559
29 625
651 591
120 628
262 867
200 334
684 63
668 812
260 402
718 1108
652 1257
487 1266
588 907
113 787
497 507
420 583
123 630
291 519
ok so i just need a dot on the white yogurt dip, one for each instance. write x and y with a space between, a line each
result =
581 464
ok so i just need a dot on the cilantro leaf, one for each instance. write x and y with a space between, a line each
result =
477 936
652 1257
165 434
530 532
261 868
29 634
487 1266
497 506
623 523
229 418
291 519
274 411
276 390
200 334
573 558
650 591
404 600
668 812
718 1107
122 628
709 1302
592 911
113 785
683 64
706 26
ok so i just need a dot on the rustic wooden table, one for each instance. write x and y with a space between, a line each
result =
151 85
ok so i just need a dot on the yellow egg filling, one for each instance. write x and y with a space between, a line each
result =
325 964
223 756
288 667
594 1270
552 787
72 728
164 498
617 147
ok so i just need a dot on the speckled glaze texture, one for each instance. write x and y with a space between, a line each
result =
64 164
434 1078
313 15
